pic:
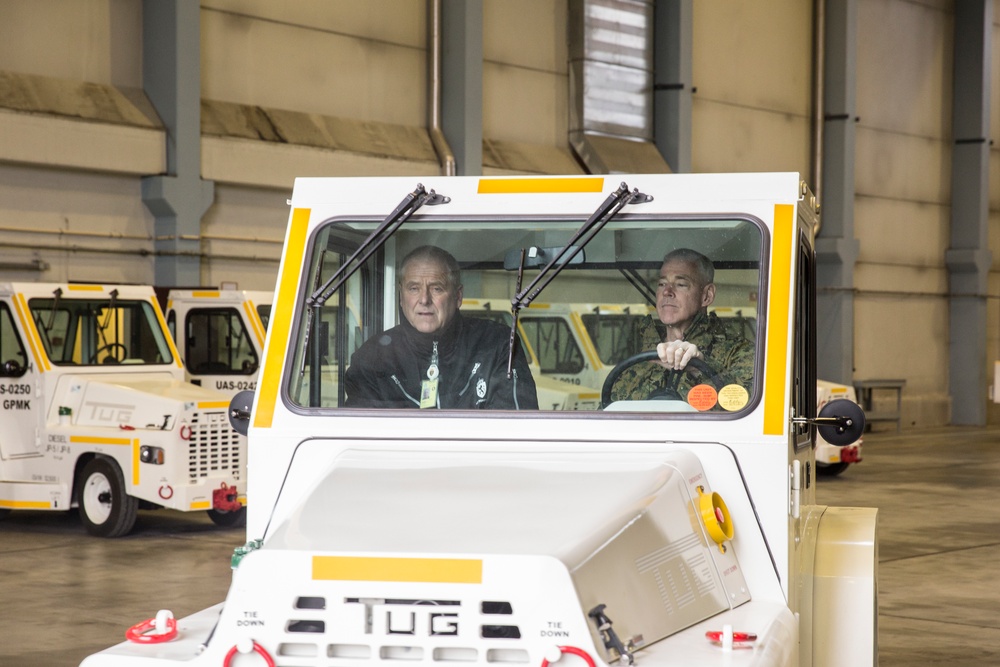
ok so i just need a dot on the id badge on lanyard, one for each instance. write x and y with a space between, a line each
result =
429 387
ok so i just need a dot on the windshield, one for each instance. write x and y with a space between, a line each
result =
90 332
425 321
218 343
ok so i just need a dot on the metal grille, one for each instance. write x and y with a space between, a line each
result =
399 630
214 447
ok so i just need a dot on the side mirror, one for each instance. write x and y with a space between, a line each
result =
841 422
239 411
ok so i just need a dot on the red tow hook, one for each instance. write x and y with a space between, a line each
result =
225 499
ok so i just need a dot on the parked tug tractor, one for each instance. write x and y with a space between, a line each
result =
97 415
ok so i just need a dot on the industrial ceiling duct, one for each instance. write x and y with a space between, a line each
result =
611 86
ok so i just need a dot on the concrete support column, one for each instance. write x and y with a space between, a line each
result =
836 247
171 78
672 88
462 82
968 259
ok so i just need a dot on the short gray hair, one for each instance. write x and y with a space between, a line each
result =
703 265
432 253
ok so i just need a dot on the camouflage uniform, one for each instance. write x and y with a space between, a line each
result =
723 344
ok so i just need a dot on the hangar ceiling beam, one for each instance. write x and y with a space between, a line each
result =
968 258
836 246
462 83
673 28
171 78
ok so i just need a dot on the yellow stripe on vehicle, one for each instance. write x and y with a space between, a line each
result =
163 327
85 288
588 344
280 322
135 462
254 319
213 405
495 186
98 440
25 504
206 294
422 570
778 307
34 341
201 505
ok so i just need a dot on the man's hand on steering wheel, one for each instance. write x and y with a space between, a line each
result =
676 354
671 377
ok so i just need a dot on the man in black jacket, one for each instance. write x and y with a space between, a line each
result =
435 358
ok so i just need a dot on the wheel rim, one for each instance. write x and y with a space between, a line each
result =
97 500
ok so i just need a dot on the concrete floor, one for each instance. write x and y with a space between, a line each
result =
66 595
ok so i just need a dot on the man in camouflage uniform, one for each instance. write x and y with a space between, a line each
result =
684 331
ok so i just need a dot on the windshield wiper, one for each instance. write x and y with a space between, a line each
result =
641 285
107 319
56 296
615 202
111 307
406 208
376 240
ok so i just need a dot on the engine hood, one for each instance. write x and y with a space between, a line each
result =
137 400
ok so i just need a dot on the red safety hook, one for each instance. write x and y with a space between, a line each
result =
574 651
140 632
257 648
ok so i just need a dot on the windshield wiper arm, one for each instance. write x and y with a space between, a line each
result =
111 306
376 240
641 285
56 295
615 202
370 245
587 231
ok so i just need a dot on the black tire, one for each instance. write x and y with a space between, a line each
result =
4 513
105 509
237 519
831 469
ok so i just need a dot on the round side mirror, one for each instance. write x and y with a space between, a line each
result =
841 422
239 411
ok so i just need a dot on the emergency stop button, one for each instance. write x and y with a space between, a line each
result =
715 516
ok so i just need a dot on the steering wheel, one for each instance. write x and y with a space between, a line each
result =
111 358
672 376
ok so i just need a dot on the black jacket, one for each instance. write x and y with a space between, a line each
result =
387 371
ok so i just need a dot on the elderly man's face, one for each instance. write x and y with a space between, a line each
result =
427 297
680 295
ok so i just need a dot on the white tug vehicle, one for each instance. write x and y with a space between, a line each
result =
96 413
679 528
220 335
